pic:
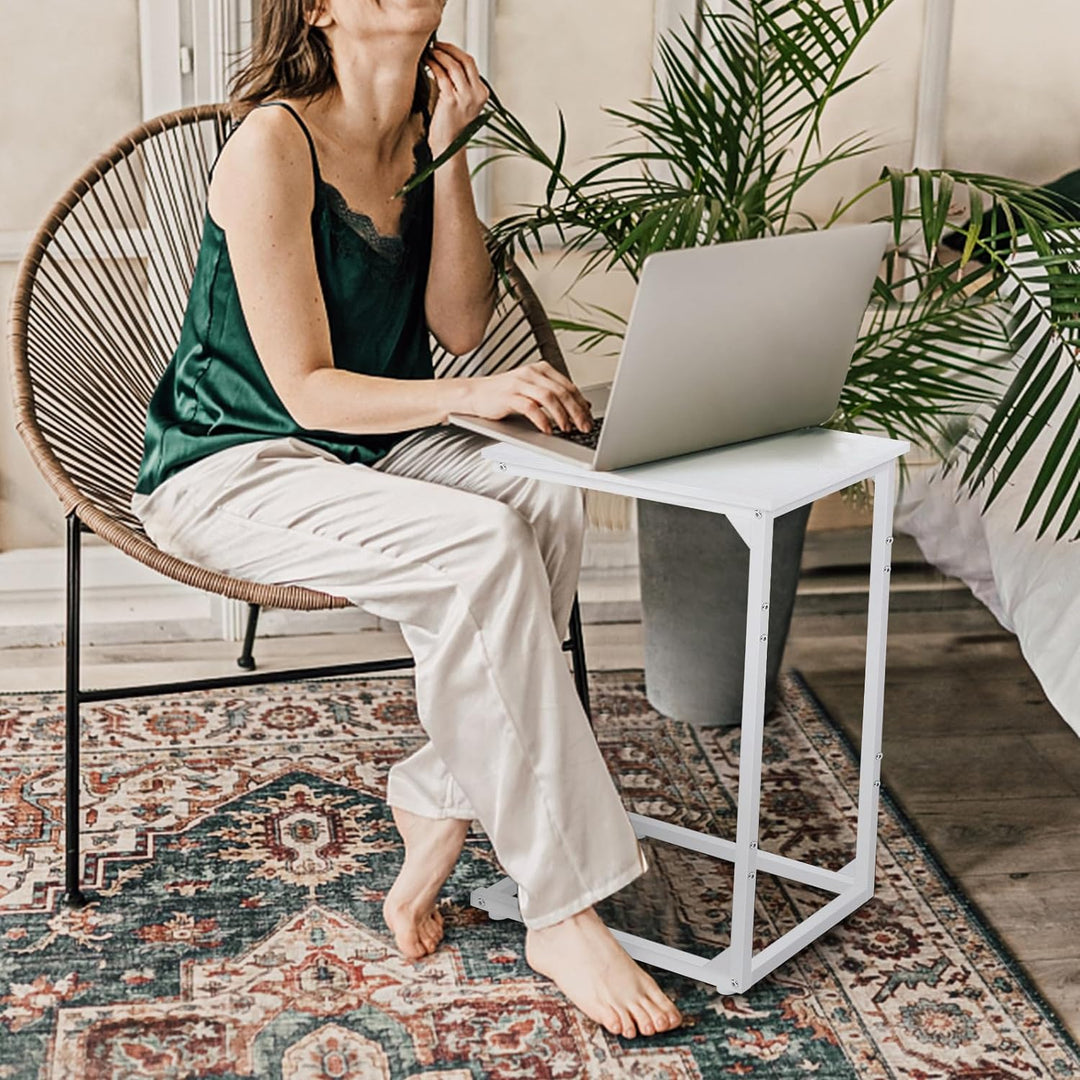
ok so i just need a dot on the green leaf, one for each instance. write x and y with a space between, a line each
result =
1054 457
975 228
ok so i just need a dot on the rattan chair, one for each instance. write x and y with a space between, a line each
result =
96 312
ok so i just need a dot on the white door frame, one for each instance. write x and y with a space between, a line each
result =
669 16
480 45
929 149
188 49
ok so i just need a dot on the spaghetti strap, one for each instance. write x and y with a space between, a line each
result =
303 128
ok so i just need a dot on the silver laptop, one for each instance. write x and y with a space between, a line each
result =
724 343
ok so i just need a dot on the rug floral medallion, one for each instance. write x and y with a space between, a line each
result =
238 849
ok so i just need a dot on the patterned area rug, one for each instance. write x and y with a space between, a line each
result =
239 850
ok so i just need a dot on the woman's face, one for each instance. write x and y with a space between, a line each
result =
374 18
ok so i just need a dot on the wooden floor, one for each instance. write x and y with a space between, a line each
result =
973 751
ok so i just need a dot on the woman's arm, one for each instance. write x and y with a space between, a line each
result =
460 297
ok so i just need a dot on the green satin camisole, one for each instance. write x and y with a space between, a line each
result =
214 391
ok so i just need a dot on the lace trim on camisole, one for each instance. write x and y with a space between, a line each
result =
389 245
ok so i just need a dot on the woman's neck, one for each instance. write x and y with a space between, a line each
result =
372 103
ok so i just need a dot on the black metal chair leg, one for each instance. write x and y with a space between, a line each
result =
73 895
246 660
577 653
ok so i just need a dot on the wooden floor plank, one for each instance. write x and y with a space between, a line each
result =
967 767
943 705
995 835
1036 914
1061 751
1059 982
934 646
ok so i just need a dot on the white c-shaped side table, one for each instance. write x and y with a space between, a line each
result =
753 483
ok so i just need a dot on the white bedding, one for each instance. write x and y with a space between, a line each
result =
1031 586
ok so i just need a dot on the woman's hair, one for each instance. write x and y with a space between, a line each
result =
291 58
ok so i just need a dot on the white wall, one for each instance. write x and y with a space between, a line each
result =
1014 92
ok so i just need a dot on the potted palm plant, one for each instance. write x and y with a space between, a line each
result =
723 152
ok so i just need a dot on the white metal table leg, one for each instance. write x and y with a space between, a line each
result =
874 680
760 541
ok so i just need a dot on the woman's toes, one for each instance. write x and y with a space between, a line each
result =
626 1022
655 1016
609 1018
663 1010
660 1020
643 1016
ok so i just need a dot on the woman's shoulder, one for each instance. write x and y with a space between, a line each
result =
269 133
267 156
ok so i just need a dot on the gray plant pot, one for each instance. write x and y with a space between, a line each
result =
694 568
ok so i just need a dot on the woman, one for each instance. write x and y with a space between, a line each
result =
299 436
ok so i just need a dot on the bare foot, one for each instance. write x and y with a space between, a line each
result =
581 956
432 847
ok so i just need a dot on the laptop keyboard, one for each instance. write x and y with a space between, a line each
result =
583 438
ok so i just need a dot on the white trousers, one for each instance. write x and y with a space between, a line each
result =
479 569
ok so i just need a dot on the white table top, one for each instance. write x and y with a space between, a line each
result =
776 473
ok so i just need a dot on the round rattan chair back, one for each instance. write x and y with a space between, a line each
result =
97 311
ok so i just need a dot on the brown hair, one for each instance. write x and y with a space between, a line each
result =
291 58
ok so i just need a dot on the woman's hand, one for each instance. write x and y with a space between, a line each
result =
461 94
529 390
